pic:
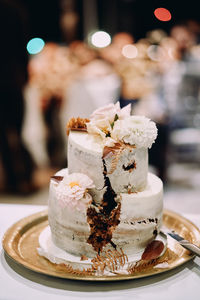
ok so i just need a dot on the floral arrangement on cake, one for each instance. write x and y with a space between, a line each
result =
114 125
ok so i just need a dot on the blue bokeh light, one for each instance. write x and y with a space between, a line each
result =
35 45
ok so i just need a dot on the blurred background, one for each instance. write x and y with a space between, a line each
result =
65 58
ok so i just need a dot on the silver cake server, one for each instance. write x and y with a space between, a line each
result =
184 243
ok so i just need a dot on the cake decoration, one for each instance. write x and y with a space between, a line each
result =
57 178
103 120
114 125
113 260
78 124
72 191
153 250
135 130
109 113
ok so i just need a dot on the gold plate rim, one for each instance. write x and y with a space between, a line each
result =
24 224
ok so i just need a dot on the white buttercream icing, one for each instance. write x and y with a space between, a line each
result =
85 153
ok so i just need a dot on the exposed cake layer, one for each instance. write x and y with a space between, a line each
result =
127 169
140 220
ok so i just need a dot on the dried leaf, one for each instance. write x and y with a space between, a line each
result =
77 124
83 257
115 152
153 250
57 178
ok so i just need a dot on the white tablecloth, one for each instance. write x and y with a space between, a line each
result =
18 283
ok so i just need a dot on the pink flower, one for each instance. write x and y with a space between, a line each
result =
72 191
110 111
102 120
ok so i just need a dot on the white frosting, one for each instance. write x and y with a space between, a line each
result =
56 255
141 215
93 144
85 156
69 227
151 201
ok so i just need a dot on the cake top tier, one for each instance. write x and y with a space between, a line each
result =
109 125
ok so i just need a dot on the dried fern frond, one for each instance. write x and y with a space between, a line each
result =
115 160
115 152
69 269
113 260
111 150
77 124
142 265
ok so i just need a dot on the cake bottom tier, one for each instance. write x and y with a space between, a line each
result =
140 221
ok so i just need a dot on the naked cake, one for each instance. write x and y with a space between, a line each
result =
106 199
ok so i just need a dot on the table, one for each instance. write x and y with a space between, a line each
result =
18 283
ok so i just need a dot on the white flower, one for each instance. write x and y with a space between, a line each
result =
102 120
72 191
135 130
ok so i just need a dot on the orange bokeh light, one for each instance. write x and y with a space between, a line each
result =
162 14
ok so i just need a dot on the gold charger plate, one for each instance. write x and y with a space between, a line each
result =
20 243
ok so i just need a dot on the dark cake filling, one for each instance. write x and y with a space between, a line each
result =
109 196
104 220
130 167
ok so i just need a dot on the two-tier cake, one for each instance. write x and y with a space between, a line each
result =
106 199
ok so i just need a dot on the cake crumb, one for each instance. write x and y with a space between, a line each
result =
83 257
130 167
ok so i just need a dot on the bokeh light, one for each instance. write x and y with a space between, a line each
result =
100 39
155 53
129 51
35 45
162 14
